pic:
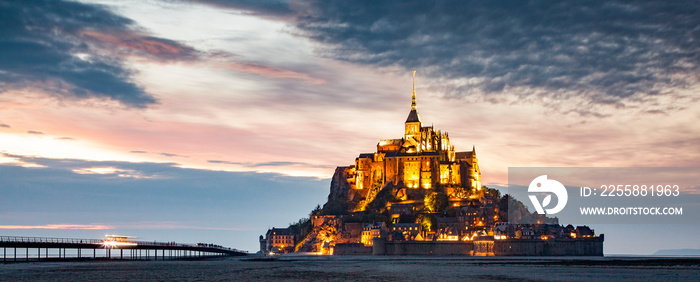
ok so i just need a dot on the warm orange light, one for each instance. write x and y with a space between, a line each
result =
115 244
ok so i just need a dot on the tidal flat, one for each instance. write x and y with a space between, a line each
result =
364 268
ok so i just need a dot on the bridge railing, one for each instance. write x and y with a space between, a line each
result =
17 239
173 244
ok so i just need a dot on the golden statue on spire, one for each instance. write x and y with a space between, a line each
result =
413 98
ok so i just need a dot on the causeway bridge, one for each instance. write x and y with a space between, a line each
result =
18 249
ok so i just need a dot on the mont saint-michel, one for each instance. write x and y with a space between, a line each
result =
418 195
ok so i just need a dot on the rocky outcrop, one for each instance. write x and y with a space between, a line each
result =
338 196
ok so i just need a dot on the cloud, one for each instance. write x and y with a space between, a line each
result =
225 60
4 125
134 43
73 49
131 225
35 132
263 8
170 155
15 160
272 72
80 50
268 164
183 199
604 53
170 225
59 226
113 171
106 169
65 138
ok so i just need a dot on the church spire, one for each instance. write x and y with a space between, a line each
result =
413 98
413 115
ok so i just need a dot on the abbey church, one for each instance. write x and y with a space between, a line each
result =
416 192
422 159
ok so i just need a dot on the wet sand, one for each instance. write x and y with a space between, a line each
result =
366 268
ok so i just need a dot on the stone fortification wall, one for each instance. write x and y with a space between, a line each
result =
351 249
555 247
422 248
512 247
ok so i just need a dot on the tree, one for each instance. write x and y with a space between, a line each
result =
315 211
428 222
436 201
494 192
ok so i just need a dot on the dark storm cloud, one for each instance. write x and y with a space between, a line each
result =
604 50
74 49
270 7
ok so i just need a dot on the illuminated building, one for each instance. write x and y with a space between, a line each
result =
277 240
422 159
371 231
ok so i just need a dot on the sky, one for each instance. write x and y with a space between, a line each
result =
211 121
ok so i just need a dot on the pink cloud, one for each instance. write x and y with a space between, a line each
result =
59 226
153 47
171 225
274 72
164 49
136 225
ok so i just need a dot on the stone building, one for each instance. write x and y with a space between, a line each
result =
422 159
277 240
372 231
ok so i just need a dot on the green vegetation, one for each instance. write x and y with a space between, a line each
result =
428 222
436 202
386 195
302 228
493 192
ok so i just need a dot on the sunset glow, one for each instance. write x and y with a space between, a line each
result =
193 115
